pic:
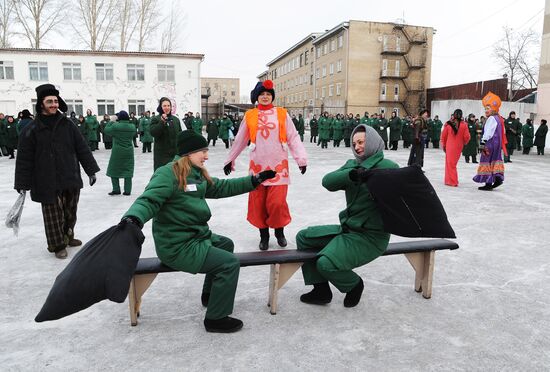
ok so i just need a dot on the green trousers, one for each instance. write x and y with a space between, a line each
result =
221 267
127 184
338 255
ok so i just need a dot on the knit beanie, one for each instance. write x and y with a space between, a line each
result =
122 115
189 142
44 90
373 142
262 86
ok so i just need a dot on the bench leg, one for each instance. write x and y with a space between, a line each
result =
138 286
423 264
278 276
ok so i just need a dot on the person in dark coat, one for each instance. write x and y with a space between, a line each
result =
135 122
212 130
164 128
528 133
11 136
395 130
313 129
107 140
52 173
26 118
540 137
121 162
511 135
420 129
470 149
349 126
301 127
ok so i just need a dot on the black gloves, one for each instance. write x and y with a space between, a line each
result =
227 169
130 219
262 176
303 169
93 179
359 174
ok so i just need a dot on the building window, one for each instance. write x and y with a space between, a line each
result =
338 89
233 93
104 71
396 110
136 72
324 70
325 48
33 105
75 105
316 93
331 68
340 41
137 106
38 71
71 71
318 73
333 45
105 106
318 52
396 89
6 70
330 90
166 73
339 66
323 92
306 59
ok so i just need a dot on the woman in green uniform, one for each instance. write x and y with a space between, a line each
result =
360 237
175 199
121 162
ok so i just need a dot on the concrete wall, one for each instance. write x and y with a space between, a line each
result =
17 94
543 88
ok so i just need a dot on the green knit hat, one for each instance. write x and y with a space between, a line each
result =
188 142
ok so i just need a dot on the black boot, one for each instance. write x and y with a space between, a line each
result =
354 296
467 158
487 187
280 235
264 239
114 193
474 159
223 325
497 183
204 298
320 295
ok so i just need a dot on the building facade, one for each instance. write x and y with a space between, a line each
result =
355 67
543 86
222 90
103 81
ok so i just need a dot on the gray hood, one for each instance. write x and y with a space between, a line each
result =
373 143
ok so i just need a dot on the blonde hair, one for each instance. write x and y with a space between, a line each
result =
182 168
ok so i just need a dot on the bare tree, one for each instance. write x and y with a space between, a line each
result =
7 8
170 39
127 22
38 18
513 52
95 22
148 21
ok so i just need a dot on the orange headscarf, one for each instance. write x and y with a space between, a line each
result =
492 100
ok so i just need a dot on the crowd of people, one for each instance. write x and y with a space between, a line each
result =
175 198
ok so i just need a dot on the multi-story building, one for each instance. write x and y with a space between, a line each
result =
103 81
355 67
224 90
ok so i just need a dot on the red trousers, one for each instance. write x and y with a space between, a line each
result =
267 207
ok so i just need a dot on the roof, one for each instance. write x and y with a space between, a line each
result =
331 32
309 37
102 52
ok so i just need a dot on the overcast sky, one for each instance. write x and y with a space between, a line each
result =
238 38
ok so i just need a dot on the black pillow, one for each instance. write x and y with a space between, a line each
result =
101 270
408 203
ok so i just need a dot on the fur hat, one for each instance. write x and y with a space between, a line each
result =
26 114
44 90
122 115
189 142
262 86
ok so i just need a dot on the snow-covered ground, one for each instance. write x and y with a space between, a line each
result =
489 310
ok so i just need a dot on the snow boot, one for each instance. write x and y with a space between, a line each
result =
497 183
264 239
487 187
74 242
354 296
320 295
223 325
280 235
114 193
61 254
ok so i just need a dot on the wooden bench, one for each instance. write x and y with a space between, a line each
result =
284 263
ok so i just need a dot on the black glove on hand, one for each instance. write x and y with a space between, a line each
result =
227 169
303 169
262 176
359 174
93 179
130 219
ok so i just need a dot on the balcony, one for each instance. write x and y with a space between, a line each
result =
395 49
396 98
397 74
416 62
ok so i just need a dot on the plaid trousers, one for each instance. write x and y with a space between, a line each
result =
60 219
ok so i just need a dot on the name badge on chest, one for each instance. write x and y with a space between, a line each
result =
191 187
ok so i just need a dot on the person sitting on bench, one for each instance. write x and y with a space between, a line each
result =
360 237
175 199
